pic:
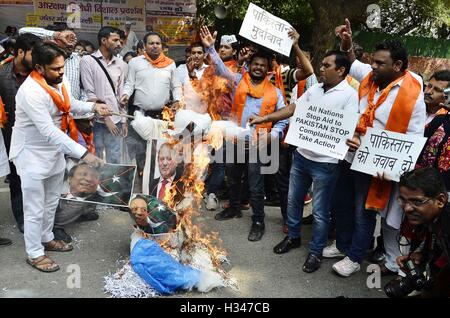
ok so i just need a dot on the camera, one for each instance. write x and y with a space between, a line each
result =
414 280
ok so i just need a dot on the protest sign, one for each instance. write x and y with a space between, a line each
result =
388 152
321 129
111 184
266 29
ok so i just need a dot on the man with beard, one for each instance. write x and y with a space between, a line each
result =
44 132
390 98
250 92
103 77
12 75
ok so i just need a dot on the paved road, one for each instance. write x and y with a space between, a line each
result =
100 244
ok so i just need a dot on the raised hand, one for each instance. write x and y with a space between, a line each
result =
244 55
345 33
92 160
190 65
66 38
208 40
293 34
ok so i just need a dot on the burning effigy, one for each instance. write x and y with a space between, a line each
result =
168 250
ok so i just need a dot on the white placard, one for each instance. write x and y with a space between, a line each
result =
321 129
388 152
266 29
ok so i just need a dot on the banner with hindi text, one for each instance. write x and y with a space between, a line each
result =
267 30
91 15
388 152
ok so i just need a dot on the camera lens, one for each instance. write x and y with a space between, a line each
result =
398 288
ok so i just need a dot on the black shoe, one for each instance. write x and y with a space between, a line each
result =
228 214
61 235
88 217
286 245
377 256
20 227
5 241
256 232
312 263
308 219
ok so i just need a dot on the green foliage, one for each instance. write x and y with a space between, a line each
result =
429 18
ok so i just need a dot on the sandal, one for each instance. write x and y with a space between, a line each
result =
43 263
57 246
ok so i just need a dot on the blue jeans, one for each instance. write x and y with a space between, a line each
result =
343 206
303 173
105 141
364 222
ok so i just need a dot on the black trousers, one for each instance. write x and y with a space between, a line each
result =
15 189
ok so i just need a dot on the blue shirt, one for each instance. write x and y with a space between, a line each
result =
252 105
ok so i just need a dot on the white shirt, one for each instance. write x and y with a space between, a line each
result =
4 164
340 97
417 123
151 85
38 144
393 212
191 98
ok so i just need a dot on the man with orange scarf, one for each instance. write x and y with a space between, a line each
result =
39 141
151 81
253 93
390 98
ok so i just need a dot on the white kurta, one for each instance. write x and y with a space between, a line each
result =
4 165
38 144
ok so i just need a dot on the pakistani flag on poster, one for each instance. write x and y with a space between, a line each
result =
116 184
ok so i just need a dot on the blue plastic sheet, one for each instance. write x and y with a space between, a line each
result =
160 270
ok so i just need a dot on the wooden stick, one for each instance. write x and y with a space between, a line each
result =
123 115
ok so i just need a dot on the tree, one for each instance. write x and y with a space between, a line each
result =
428 18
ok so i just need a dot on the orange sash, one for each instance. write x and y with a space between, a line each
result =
67 121
161 62
265 90
398 121
89 139
301 88
3 115
279 82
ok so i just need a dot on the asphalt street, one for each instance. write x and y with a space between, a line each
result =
101 245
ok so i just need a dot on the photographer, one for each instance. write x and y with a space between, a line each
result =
424 199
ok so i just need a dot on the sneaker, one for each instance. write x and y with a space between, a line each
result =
307 199
228 214
346 267
256 232
332 252
211 202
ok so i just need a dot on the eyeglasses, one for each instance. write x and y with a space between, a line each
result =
414 202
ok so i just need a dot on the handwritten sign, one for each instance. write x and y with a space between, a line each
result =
266 29
388 152
321 129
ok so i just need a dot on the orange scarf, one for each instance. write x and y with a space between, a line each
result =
89 139
279 82
67 121
161 62
3 115
265 90
398 121
301 88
